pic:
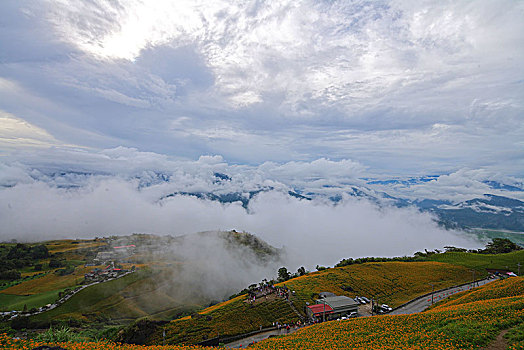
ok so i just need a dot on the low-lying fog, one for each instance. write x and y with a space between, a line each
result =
313 232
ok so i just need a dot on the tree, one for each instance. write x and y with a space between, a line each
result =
301 271
10 275
39 252
18 251
55 263
500 246
450 248
283 274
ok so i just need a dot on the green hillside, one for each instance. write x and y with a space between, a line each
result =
122 300
471 320
391 282
481 262
468 325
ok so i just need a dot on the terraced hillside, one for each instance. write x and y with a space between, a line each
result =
121 300
45 277
389 282
163 288
393 283
469 320
468 325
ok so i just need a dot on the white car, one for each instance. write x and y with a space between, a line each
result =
386 307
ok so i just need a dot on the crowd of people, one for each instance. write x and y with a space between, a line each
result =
264 290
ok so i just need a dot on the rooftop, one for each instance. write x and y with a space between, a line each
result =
319 308
339 301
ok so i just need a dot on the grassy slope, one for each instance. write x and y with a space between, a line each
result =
48 282
84 301
122 300
470 324
16 302
509 287
481 262
230 318
67 245
392 282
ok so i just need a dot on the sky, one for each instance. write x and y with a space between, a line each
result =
310 95
403 87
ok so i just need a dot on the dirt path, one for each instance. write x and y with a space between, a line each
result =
500 343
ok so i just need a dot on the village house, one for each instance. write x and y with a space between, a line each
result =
332 307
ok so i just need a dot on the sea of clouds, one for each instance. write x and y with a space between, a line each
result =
123 191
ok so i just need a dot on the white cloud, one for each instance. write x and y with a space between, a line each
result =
344 53
18 134
402 87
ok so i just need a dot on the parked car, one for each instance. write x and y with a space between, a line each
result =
386 307
359 300
365 299
352 314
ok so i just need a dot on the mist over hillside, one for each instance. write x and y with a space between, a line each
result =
202 267
313 231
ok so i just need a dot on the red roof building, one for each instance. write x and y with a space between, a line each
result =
317 310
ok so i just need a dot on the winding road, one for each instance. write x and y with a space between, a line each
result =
422 303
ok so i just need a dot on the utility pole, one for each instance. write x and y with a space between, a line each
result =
432 291
518 267
324 314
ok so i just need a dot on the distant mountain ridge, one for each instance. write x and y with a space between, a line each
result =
488 212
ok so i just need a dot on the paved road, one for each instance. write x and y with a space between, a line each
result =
244 342
420 304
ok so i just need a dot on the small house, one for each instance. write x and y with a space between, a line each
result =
341 306
318 311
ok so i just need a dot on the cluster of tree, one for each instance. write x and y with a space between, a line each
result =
25 251
351 261
500 246
496 246
18 256
283 275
